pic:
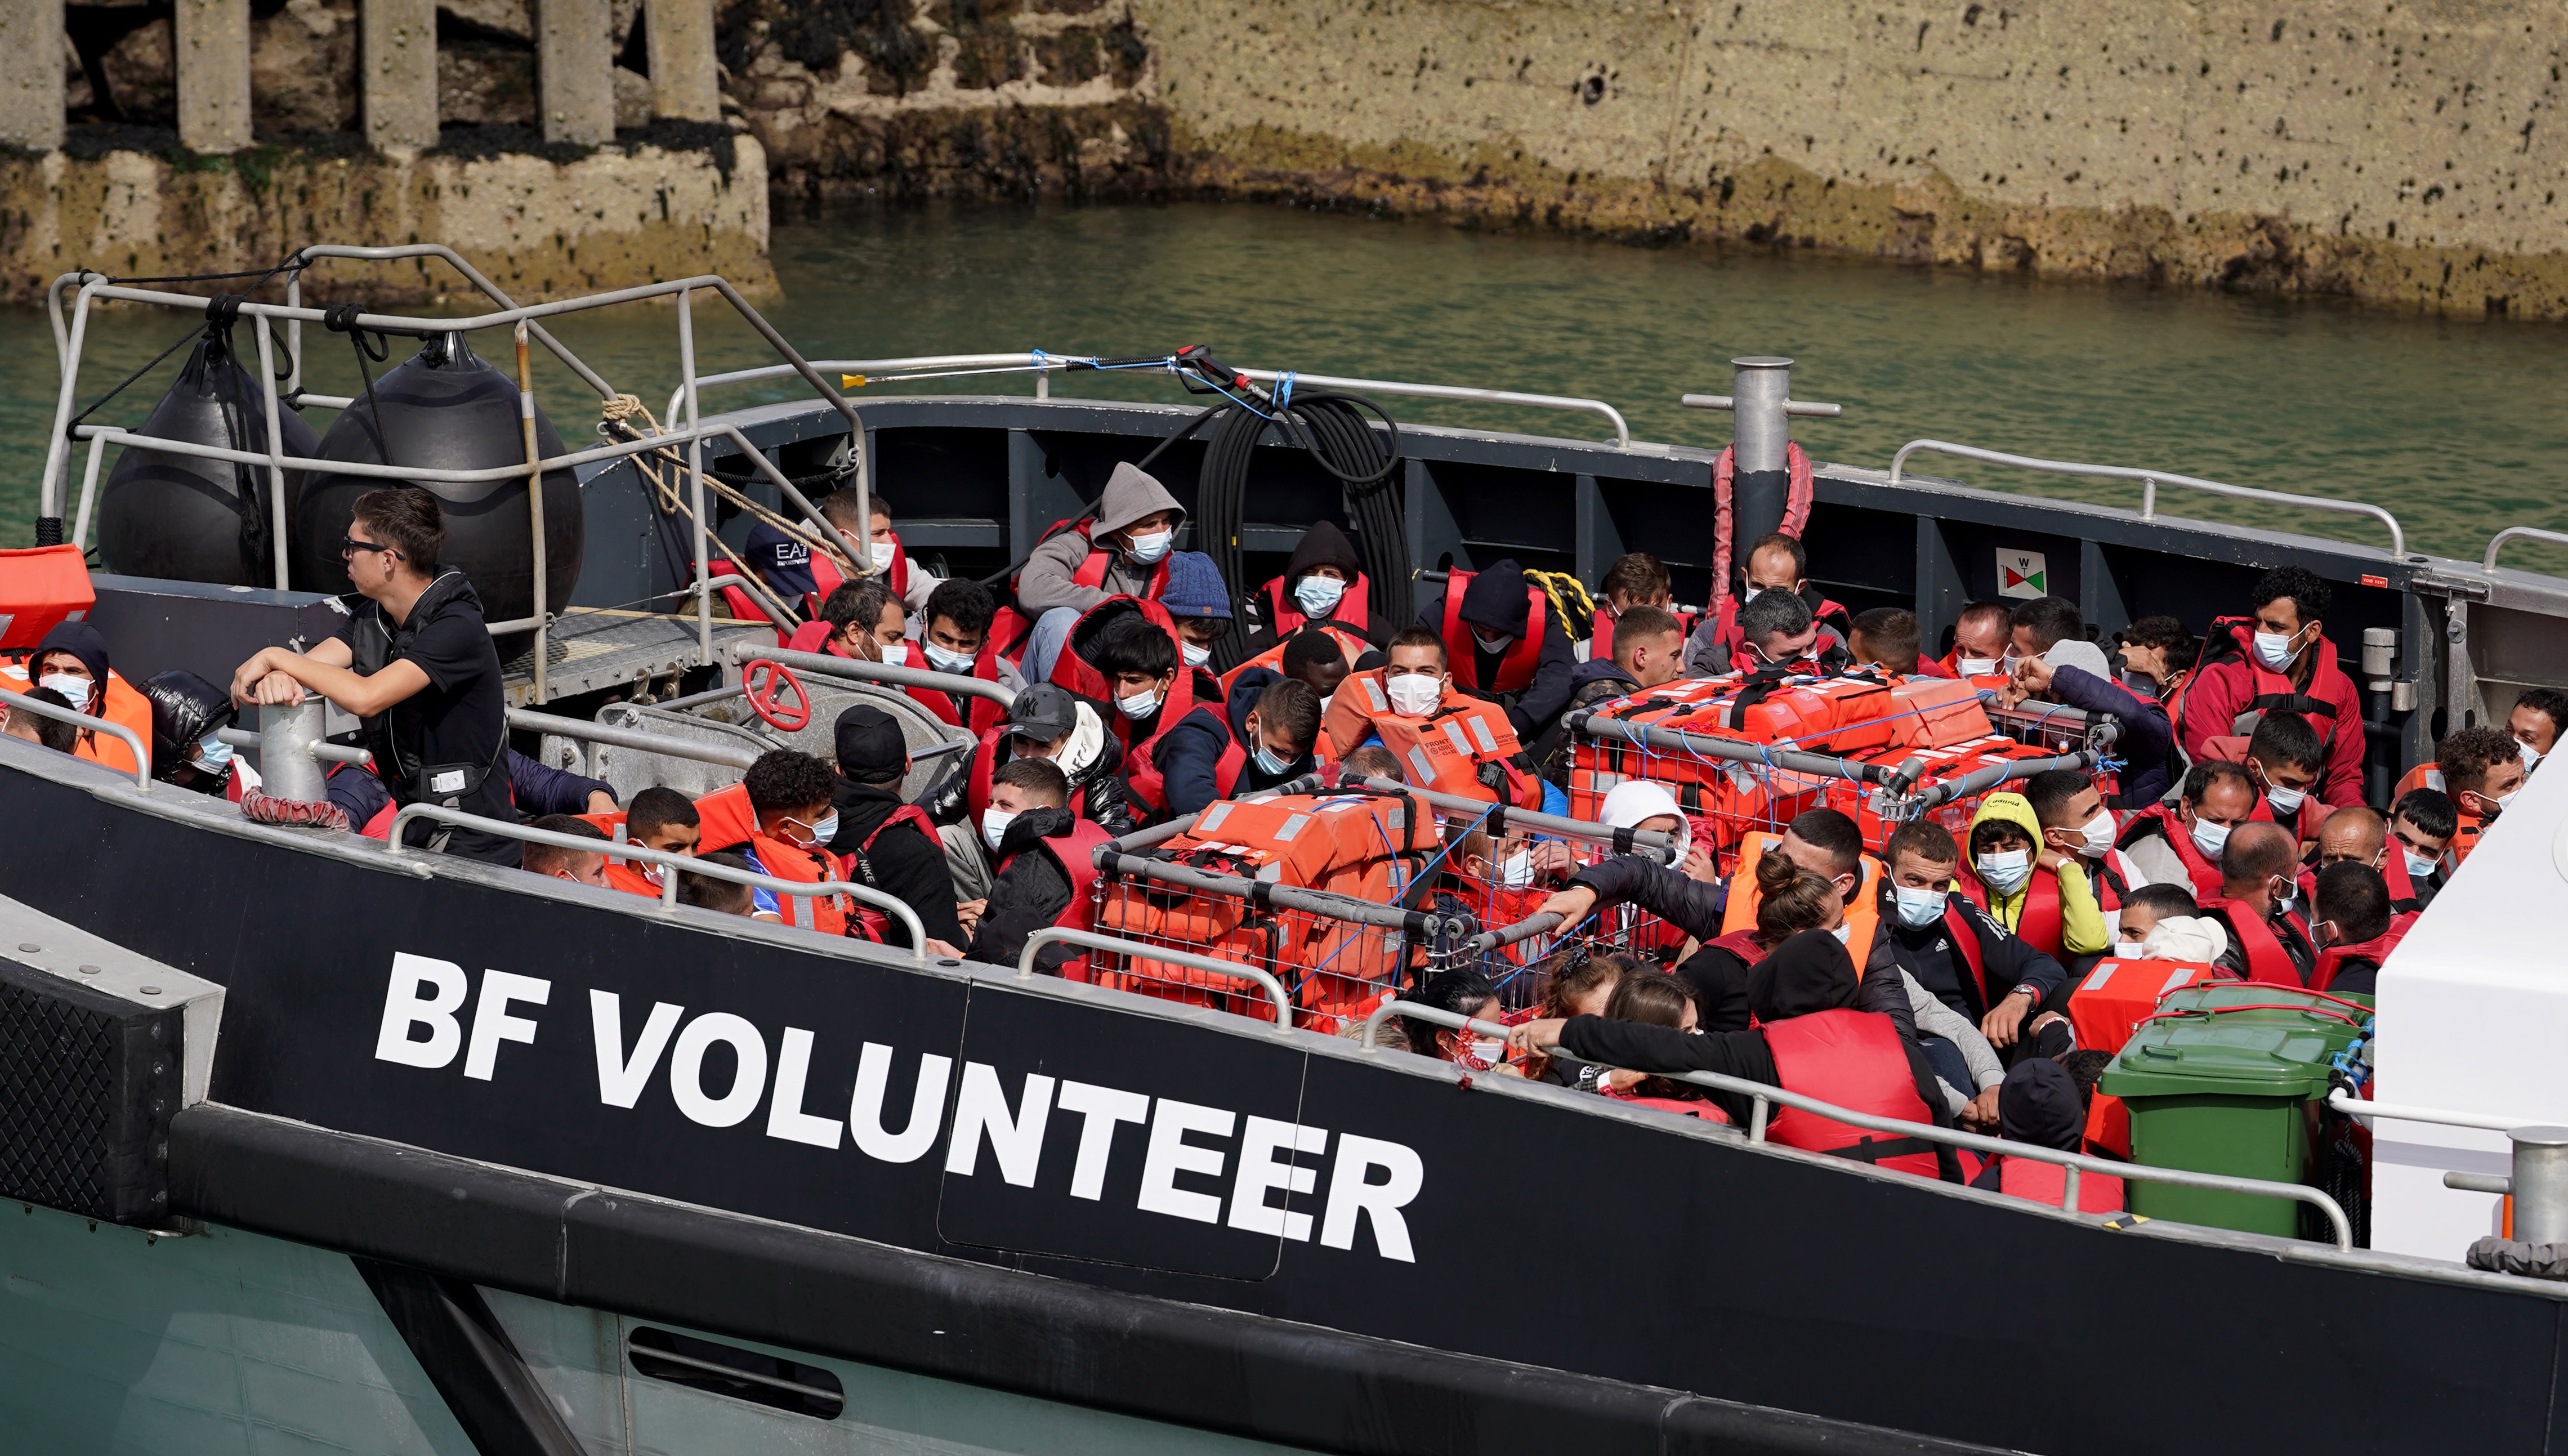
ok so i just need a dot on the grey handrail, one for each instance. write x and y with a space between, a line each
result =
1091 940
2149 482
636 739
1328 903
2006 771
1508 935
1764 1097
950 684
2518 533
625 849
1045 363
1796 760
42 709
2354 1106
1502 816
1455 1019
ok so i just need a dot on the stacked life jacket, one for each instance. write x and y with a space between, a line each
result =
1863 907
1462 652
1365 845
1285 615
1466 747
1855 1060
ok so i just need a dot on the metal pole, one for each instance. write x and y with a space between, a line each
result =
2540 1184
294 330
282 529
1761 483
88 490
286 767
49 488
696 479
534 502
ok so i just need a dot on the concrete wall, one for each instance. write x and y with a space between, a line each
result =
2404 151
615 217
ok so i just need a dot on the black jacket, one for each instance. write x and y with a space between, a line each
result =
906 863
1940 967
1190 755
1696 908
1594 680
1030 891
1532 707
1099 787
1323 544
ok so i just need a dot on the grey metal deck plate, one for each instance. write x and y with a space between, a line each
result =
593 650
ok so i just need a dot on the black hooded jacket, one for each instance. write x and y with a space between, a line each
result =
1030 891
1496 601
1807 974
1321 546
907 862
2037 1104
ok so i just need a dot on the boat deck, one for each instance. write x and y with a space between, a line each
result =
594 648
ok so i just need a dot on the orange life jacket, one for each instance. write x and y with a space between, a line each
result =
1863 907
2111 1002
125 707
1348 642
1855 1060
622 874
1516 669
1448 750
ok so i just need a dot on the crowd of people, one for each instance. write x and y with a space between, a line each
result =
1927 979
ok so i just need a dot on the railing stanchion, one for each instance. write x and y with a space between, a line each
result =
1758 1119
89 491
280 530
696 481
534 502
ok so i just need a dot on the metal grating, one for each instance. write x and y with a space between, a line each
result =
89 1083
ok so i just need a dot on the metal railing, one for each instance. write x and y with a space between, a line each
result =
1497 819
827 666
1328 903
1042 365
1090 939
1765 1097
132 741
2518 533
264 316
2354 1106
635 739
2150 481
799 892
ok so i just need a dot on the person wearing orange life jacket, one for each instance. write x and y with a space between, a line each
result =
1638 579
2281 658
1321 656
1263 737
1646 651
2182 845
2268 940
1810 1037
1950 946
2039 1105
1043 861
2354 929
2483 772
1503 641
780 817
658 819
73 661
2034 890
1446 739
883 841
580 866
2284 756
1774 564
1324 584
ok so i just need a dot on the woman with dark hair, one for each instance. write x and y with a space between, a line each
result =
1465 993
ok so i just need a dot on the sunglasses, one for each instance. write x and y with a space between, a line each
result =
350 546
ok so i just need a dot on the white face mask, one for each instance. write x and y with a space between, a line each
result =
882 552
1140 704
2525 750
1752 594
2210 838
2286 801
1976 667
895 656
1318 595
1487 1051
1194 656
75 691
1516 870
1490 644
1844 935
2126 950
1918 908
946 661
994 826
2007 872
1148 548
2099 834
2497 805
2275 648
1414 695
2419 865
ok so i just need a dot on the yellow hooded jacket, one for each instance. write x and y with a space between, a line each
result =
2083 931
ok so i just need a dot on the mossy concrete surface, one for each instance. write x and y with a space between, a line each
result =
539 227
2397 152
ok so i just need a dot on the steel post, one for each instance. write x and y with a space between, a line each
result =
1761 483
2540 1184
286 733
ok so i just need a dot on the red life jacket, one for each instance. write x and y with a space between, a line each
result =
2312 814
2375 950
973 712
2161 820
1353 611
1727 631
2268 690
1073 673
1855 1060
2039 1182
1144 782
826 578
737 600
1074 850
2038 920
2394 873
814 636
1516 669
1600 628
1967 940
2267 958
1092 572
860 871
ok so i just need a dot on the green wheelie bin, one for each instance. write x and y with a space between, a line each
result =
2230 1079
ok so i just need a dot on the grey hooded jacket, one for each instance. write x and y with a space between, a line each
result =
1046 583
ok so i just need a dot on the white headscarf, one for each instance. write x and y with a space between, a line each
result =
2185 937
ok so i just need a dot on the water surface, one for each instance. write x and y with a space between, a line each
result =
2453 425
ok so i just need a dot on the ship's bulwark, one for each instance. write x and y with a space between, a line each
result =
1660 1258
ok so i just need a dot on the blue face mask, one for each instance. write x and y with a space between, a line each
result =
1318 595
213 755
1918 908
1259 755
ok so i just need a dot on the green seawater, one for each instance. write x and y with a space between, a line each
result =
2456 425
